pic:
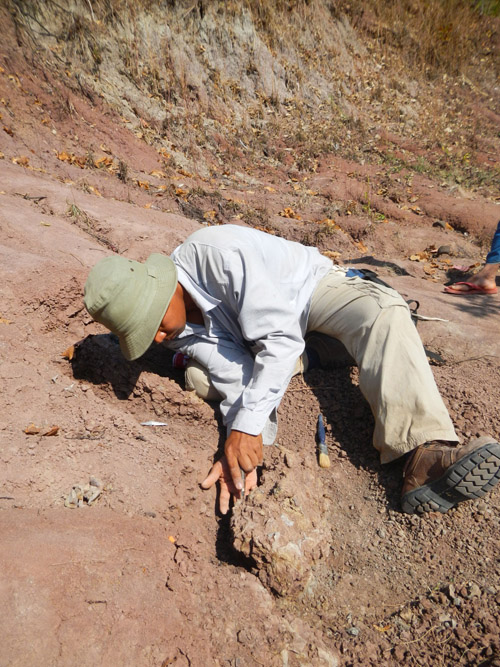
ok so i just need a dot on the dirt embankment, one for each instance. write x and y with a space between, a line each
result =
123 130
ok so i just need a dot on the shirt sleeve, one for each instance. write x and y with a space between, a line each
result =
270 325
229 365
230 368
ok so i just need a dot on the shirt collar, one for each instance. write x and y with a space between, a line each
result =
202 299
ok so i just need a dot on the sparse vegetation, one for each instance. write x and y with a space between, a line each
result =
442 36
307 100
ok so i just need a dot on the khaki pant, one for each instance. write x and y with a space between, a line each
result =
374 324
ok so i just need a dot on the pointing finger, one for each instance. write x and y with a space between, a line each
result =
224 499
212 476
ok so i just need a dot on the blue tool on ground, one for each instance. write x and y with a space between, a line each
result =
324 459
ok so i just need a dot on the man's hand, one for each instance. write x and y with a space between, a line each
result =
220 473
243 452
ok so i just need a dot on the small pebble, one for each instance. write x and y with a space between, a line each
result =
443 250
474 590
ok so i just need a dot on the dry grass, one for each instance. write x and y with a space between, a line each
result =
335 86
434 36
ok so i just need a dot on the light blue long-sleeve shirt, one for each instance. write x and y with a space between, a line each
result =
254 291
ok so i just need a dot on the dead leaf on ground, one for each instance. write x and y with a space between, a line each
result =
331 254
69 353
419 257
158 173
4 321
328 222
288 212
52 431
15 79
79 160
95 191
21 160
360 246
105 161
382 628
32 430
268 230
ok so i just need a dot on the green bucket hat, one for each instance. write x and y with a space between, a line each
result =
130 298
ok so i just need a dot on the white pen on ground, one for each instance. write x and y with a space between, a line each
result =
153 423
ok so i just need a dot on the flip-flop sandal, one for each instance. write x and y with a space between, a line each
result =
472 289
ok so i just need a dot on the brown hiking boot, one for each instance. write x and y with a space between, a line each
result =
438 476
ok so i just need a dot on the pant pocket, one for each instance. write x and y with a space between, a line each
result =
386 297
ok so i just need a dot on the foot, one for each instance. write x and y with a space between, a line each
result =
439 475
469 287
483 282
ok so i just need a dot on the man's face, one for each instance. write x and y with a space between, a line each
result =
174 320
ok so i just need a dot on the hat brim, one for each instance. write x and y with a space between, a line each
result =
158 290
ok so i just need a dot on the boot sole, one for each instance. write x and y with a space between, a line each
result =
470 477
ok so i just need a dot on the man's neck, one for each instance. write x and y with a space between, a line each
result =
193 313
